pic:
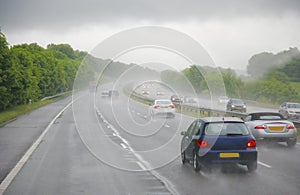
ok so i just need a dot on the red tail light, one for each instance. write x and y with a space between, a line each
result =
251 143
261 127
155 106
172 106
202 144
290 127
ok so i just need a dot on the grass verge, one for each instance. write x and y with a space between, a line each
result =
16 111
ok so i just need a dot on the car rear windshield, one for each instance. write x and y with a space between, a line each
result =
163 102
267 116
227 128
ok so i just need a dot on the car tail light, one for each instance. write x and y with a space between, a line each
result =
260 127
172 106
202 144
290 127
155 106
251 143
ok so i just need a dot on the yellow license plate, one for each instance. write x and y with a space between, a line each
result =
165 106
229 155
276 128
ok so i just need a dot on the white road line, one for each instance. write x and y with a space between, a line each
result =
298 143
141 165
265 165
12 174
167 125
138 113
124 146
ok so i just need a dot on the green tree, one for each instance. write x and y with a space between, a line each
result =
5 94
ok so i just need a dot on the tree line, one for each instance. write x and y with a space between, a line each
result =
29 72
273 88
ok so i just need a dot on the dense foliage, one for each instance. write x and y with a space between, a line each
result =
30 72
278 84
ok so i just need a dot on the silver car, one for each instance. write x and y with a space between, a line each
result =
290 110
163 107
271 126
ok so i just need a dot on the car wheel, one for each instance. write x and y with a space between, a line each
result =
291 142
183 158
252 166
196 165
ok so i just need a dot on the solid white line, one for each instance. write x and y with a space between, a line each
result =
141 165
167 125
12 174
265 165
298 143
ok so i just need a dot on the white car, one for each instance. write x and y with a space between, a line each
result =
223 100
290 110
163 107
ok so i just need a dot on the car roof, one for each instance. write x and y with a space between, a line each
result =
163 100
221 119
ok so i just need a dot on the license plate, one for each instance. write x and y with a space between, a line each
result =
276 128
229 155
165 106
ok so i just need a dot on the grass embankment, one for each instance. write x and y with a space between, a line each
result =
16 111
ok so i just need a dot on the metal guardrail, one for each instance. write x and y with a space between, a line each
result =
54 96
201 110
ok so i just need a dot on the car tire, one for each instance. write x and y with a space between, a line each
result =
252 166
291 142
183 158
196 164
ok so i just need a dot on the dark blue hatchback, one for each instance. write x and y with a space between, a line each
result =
218 140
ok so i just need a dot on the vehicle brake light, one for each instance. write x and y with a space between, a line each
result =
251 143
290 127
155 106
202 144
172 106
260 127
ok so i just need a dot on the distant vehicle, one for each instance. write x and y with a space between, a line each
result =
104 94
236 105
175 100
145 92
290 110
271 126
160 93
189 99
218 140
223 100
113 93
162 107
92 86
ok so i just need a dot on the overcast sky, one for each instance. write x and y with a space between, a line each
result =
230 30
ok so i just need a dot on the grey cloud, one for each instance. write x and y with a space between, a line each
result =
37 14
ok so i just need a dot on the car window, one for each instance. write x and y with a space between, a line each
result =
226 129
238 102
248 118
293 105
163 102
190 130
267 116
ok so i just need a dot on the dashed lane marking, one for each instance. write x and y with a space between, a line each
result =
264 164
124 146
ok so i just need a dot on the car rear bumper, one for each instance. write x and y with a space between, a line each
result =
279 136
244 156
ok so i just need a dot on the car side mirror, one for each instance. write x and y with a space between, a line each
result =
183 133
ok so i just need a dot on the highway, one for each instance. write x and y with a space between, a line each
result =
111 146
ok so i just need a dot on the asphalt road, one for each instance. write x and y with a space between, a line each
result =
104 146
